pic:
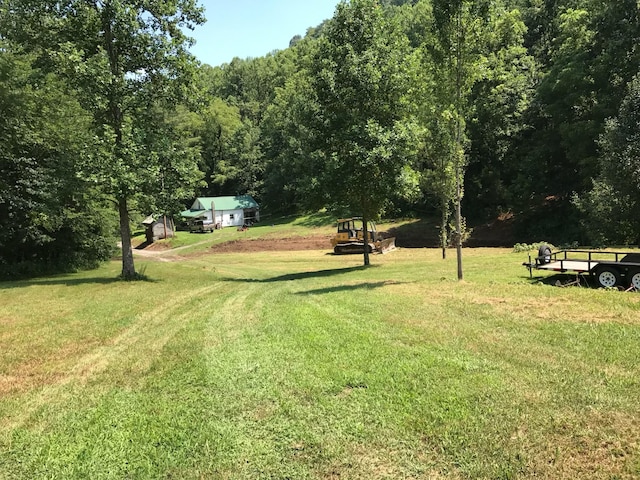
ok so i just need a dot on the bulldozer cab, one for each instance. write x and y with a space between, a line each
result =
350 237
348 227
353 228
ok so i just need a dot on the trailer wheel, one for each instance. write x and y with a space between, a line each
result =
544 254
634 278
607 277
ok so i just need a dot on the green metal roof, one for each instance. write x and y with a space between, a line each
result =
193 213
202 204
225 203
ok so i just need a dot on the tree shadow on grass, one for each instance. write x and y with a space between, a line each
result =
320 219
302 275
69 282
347 288
320 274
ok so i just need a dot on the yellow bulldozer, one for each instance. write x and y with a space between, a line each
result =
350 238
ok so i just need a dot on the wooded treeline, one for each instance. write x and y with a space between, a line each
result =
528 108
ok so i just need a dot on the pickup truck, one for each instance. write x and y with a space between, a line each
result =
200 227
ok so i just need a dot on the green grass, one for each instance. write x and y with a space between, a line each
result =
307 365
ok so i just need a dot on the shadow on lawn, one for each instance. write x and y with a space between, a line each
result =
346 288
302 275
319 274
69 282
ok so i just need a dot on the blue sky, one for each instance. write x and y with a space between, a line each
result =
253 28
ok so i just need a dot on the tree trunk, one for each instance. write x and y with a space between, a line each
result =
128 268
459 226
115 120
365 237
459 179
443 229
459 149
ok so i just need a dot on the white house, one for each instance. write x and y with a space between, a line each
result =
224 211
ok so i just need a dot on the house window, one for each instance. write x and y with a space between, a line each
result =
231 216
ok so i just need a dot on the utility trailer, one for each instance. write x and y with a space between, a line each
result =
608 269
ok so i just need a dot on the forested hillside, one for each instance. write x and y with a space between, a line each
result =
527 109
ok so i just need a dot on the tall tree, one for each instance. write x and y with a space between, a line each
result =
457 56
362 79
124 56
450 57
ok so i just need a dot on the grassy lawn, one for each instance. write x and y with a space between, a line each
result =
306 365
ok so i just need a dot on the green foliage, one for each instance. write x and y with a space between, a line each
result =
360 78
233 155
587 53
51 219
537 81
291 181
126 59
454 57
500 100
169 160
527 247
507 99
611 206
219 123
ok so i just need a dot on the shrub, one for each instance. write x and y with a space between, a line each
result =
527 247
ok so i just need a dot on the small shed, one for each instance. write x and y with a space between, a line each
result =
224 211
158 229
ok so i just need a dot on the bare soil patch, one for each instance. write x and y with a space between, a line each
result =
316 242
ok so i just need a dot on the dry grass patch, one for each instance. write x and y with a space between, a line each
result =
376 461
39 371
597 445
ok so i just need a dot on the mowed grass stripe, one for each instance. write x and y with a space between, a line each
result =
464 319
315 377
132 416
122 360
